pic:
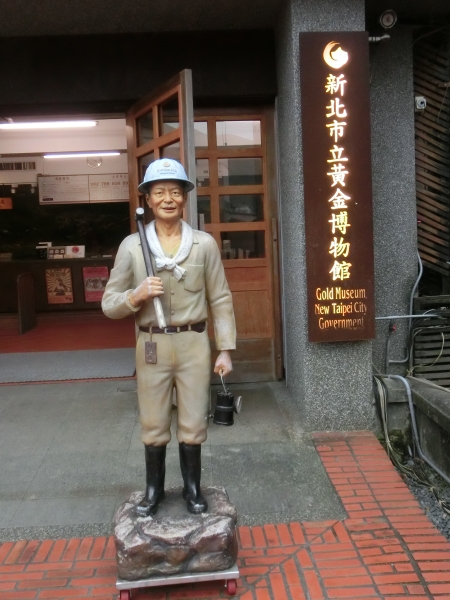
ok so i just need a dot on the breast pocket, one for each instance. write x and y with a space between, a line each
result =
194 280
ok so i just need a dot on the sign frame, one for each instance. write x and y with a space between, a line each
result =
336 142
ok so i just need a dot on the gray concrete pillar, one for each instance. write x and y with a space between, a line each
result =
393 174
330 382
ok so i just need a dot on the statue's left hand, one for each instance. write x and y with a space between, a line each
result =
223 364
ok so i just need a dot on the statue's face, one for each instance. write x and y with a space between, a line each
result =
167 200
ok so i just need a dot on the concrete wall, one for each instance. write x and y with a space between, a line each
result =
331 382
393 164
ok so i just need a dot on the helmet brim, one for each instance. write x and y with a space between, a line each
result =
186 183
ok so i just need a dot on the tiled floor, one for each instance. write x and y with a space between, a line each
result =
68 332
386 548
71 453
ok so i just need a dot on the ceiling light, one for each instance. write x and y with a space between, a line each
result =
48 125
81 154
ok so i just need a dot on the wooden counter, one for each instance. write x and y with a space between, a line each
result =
9 270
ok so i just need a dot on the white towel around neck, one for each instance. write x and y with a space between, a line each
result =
161 260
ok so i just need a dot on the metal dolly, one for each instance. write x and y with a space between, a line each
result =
229 576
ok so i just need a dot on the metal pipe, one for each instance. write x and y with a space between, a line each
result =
148 265
374 39
422 316
402 361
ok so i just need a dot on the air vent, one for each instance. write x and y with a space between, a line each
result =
17 166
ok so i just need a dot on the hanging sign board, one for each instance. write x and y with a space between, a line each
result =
108 188
59 286
334 80
95 280
54 189
66 189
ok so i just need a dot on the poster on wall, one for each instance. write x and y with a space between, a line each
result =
95 280
6 204
334 81
59 286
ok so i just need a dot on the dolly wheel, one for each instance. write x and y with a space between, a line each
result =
125 595
231 587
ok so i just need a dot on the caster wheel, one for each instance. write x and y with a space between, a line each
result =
231 587
125 595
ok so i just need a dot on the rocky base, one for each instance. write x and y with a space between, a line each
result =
174 541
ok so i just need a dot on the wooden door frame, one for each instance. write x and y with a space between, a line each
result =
267 115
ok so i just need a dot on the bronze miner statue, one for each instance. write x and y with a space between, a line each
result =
171 308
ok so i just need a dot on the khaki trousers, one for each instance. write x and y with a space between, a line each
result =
183 362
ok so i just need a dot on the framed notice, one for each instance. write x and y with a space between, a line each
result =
109 188
59 286
67 189
334 80
95 280
57 189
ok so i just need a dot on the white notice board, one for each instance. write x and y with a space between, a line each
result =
108 188
55 189
65 189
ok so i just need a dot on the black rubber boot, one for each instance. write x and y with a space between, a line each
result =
191 469
155 466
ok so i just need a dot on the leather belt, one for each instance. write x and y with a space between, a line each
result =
171 329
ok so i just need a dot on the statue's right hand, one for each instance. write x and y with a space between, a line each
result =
149 288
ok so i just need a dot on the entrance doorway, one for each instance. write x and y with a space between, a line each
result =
230 153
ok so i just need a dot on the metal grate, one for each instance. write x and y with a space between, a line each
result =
26 302
432 128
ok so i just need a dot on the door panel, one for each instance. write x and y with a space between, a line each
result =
253 314
234 206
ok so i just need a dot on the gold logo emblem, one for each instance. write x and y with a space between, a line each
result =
166 164
334 56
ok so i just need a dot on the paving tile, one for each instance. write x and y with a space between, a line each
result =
63 511
7 510
345 558
16 474
77 474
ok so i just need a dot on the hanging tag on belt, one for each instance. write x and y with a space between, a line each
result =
150 351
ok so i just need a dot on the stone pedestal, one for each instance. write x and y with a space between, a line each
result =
174 541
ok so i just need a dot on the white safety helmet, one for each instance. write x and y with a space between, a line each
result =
165 169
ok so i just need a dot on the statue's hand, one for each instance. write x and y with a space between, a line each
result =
223 364
149 288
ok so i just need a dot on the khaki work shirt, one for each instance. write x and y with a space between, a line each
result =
184 302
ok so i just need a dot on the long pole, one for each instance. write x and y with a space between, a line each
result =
148 265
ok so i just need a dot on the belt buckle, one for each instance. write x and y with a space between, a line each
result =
169 332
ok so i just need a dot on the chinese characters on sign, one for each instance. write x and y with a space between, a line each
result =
337 185
335 86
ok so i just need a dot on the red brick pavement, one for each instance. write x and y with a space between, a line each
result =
386 548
